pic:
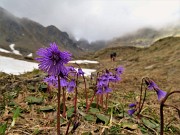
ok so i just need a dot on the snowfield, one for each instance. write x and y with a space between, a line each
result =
17 67
84 62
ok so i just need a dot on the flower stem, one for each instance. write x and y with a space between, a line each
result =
90 102
97 100
142 101
101 100
75 99
86 95
69 123
58 111
162 104
141 90
106 100
64 103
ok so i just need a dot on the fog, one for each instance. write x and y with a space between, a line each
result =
97 19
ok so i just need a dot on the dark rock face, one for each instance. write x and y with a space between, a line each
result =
28 35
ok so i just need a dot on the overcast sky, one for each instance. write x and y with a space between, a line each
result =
97 19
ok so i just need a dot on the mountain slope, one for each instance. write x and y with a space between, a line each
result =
28 35
160 60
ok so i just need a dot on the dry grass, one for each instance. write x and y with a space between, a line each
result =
159 62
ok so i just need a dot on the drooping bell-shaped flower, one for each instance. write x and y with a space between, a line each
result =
152 85
63 82
80 72
71 86
119 70
161 94
51 80
131 112
132 105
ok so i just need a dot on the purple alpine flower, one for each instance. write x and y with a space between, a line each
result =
99 90
100 82
152 85
132 105
80 72
105 79
51 80
107 89
71 86
131 112
70 69
63 82
52 60
119 70
116 78
161 94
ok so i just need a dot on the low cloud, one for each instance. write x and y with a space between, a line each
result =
97 19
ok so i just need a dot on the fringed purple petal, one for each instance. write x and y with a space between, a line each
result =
52 60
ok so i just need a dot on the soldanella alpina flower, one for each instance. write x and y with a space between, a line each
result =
161 94
80 72
51 80
119 70
52 60
153 86
71 86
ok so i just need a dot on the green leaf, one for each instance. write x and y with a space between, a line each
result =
43 87
36 131
47 108
34 100
16 113
130 125
31 87
94 110
3 128
90 118
70 112
150 123
103 118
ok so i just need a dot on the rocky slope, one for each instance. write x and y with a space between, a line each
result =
28 35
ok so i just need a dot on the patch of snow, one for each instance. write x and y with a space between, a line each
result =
16 67
13 50
87 72
84 62
30 55
5 51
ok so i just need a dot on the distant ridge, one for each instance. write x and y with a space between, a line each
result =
146 36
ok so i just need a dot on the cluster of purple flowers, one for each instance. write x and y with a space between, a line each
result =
104 80
151 85
53 61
